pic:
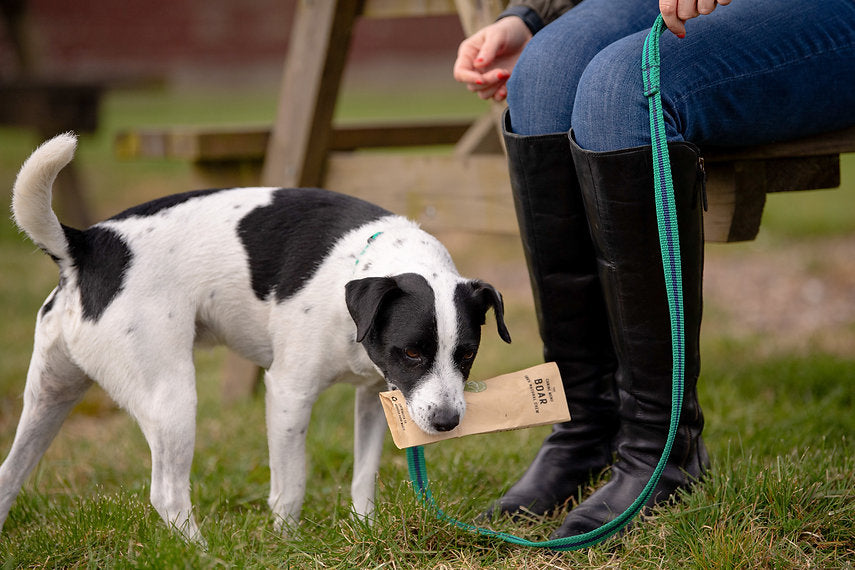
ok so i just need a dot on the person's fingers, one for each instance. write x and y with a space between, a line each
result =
675 13
668 9
464 66
706 6
484 60
487 54
498 76
501 93
489 83
467 76
687 9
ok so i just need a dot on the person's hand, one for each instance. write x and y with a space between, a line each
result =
677 12
486 58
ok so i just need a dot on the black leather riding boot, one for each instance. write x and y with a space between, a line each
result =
617 189
572 320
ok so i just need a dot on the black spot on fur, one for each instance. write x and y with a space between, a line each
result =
156 206
286 240
101 259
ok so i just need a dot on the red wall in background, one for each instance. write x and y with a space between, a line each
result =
167 38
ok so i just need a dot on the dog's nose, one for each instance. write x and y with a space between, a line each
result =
445 420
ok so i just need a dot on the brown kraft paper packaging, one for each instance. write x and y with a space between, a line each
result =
528 398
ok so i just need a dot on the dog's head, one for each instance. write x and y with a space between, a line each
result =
424 341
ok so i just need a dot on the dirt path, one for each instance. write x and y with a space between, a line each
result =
798 297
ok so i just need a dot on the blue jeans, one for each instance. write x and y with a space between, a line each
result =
754 71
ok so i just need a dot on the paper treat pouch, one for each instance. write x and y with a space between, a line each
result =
527 398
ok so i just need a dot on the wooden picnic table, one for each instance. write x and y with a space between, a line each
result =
466 189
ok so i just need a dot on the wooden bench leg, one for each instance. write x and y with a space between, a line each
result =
737 195
298 145
241 378
737 190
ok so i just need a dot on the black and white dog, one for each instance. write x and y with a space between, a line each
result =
315 287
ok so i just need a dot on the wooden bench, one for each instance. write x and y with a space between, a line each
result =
471 190
467 188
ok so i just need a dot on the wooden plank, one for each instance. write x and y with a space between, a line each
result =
453 192
310 85
407 8
234 143
736 189
802 173
439 191
398 134
227 143
194 144
835 142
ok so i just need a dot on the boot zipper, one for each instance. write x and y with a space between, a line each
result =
702 178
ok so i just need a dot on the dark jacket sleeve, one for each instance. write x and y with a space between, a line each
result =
537 13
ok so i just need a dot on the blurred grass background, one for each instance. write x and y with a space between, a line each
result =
779 420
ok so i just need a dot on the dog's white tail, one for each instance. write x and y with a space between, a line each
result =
31 197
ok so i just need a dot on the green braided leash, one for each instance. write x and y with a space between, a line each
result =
670 247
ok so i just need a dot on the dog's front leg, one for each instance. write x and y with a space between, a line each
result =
289 399
369 429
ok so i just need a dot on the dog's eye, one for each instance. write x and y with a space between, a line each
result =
412 354
468 355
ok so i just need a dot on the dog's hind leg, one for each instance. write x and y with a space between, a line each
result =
54 385
143 358
369 430
167 417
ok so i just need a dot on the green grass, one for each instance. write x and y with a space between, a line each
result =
779 429
781 492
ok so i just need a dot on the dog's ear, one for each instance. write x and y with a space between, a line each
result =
490 297
364 297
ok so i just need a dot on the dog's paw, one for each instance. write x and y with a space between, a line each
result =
363 506
286 526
